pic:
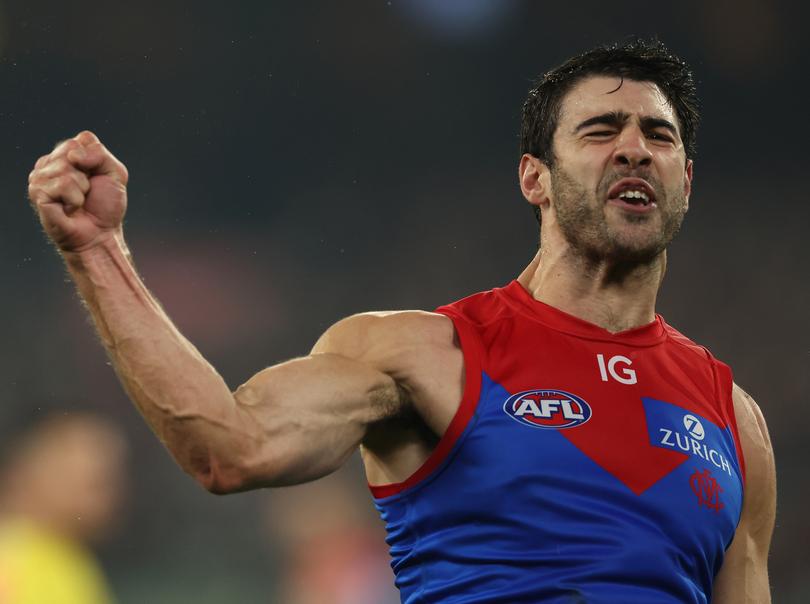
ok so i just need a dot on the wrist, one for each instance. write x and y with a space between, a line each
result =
110 246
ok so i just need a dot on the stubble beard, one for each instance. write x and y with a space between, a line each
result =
583 220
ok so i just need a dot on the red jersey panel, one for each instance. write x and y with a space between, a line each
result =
581 466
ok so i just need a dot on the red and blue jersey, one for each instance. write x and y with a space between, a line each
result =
581 466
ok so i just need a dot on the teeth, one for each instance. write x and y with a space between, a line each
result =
634 194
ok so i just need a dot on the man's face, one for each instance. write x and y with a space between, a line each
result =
620 183
80 476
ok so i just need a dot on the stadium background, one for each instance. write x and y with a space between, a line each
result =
292 163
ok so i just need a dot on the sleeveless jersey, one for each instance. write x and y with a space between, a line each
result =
581 466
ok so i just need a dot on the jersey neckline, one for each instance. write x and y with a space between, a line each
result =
519 298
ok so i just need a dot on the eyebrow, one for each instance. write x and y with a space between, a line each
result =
651 123
619 118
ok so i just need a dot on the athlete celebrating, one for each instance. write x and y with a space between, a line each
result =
553 440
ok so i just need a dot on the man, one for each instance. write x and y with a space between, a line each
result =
550 441
62 485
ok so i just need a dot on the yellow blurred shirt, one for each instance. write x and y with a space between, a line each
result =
38 567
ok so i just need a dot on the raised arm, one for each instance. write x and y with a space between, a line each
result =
290 423
743 579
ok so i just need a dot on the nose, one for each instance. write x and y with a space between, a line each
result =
631 149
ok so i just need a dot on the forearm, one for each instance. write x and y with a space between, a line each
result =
184 400
289 423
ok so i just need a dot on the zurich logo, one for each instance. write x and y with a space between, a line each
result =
693 427
552 409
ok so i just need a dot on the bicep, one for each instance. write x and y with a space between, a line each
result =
305 417
744 575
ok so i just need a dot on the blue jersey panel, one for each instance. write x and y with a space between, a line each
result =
517 514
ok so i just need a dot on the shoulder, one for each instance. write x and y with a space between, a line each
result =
695 351
419 350
744 574
749 417
390 340
759 460
753 430
356 334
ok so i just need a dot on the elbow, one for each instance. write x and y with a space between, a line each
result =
219 483
224 483
225 476
219 477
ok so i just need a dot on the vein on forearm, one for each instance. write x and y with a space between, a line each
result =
176 390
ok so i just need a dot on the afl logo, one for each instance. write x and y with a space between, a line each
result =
553 409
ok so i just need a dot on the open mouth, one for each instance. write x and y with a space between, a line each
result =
635 197
632 193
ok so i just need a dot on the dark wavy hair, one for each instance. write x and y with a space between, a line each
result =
639 60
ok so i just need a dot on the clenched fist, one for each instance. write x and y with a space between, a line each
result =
79 191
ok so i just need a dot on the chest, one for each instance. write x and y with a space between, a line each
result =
639 427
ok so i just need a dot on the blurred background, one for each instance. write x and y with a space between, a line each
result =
295 162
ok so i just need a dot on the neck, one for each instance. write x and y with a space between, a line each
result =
613 296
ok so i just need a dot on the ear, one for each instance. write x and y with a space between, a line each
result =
535 180
687 180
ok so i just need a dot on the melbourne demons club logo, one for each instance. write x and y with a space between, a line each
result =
551 409
706 489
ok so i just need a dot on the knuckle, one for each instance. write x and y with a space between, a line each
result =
57 166
48 188
96 149
37 197
63 148
65 181
47 170
86 135
82 181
